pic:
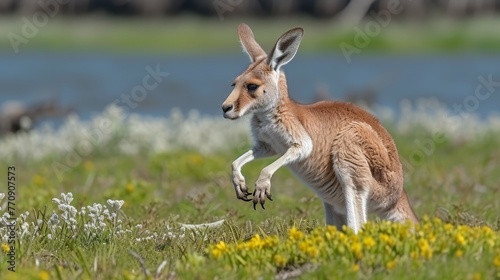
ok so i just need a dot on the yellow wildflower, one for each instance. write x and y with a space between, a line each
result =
369 242
342 238
356 249
463 228
460 239
427 253
318 242
43 275
313 252
404 231
496 261
437 221
129 187
476 276
221 246
216 253
459 253
425 249
5 247
219 249
448 227
355 267
241 246
270 241
256 242
384 237
388 240
295 234
331 229
391 264
309 248
486 230
279 260
195 159
490 242
432 237
38 180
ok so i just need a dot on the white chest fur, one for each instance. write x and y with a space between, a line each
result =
281 135
274 134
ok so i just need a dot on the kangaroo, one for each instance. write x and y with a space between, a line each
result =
339 150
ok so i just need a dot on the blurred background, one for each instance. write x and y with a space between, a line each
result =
60 57
121 100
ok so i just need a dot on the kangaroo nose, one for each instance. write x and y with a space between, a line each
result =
227 107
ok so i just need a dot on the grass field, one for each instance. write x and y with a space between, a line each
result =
208 35
131 195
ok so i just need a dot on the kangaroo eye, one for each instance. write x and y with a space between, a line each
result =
252 87
233 84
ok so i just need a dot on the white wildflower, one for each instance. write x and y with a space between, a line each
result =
2 195
24 231
115 204
54 219
5 220
67 198
68 212
23 216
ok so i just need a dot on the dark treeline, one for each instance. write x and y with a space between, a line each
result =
262 8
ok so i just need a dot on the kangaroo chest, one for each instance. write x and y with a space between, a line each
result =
315 171
275 135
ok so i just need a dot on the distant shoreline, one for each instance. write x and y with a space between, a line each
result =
192 35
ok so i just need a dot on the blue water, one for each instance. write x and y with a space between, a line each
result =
87 82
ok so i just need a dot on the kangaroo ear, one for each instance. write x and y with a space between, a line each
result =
249 44
285 49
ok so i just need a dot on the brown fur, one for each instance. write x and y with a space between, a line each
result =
339 150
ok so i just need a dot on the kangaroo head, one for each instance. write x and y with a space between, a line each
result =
257 88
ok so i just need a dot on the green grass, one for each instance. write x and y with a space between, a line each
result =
189 34
457 183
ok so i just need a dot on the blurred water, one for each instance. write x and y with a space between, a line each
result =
89 81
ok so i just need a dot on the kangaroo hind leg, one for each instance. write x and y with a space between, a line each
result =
333 217
353 172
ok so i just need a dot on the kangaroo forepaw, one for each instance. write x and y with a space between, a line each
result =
240 187
262 191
